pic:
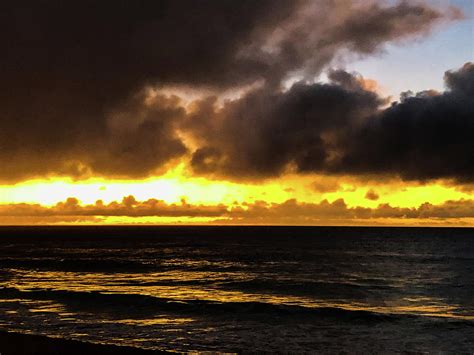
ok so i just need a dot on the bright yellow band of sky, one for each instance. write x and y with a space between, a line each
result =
175 185
176 188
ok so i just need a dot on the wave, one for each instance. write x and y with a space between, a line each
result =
58 264
351 290
144 305
100 263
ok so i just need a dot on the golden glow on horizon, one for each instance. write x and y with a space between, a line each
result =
126 220
175 186
168 189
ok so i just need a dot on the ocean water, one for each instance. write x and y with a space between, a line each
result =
243 289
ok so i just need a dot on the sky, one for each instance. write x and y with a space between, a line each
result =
346 112
446 48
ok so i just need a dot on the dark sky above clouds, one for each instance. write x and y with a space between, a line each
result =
74 78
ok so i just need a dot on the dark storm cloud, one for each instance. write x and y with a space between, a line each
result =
341 128
423 137
73 73
265 131
66 65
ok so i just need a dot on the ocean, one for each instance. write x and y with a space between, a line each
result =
242 289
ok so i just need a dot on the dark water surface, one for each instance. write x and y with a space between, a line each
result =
238 289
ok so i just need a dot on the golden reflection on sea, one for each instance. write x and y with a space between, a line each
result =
155 285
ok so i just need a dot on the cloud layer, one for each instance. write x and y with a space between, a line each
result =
259 212
74 94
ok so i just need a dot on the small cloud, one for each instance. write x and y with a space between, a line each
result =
372 195
325 186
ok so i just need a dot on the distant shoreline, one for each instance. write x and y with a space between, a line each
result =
17 343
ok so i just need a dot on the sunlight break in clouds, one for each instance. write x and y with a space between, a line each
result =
240 114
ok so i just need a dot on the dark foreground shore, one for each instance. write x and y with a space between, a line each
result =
15 343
